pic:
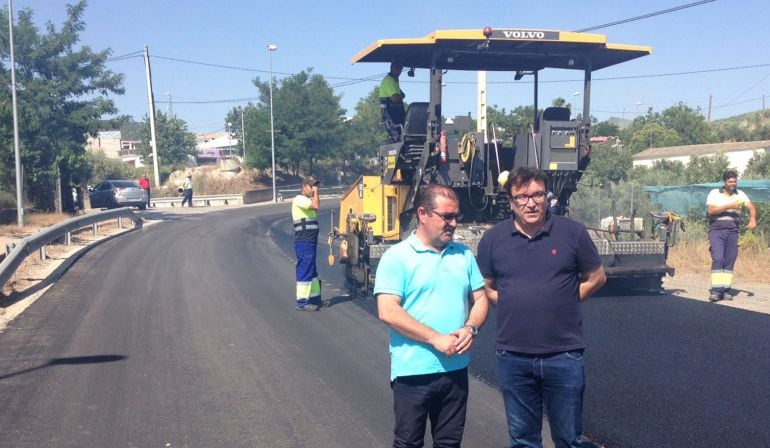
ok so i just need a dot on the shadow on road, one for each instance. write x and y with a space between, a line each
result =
75 360
336 300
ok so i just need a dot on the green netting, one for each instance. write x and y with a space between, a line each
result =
682 198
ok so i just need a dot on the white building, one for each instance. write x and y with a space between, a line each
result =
120 144
217 146
738 153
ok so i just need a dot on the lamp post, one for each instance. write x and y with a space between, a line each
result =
270 49
229 139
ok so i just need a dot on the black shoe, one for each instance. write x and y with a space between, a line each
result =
307 307
715 297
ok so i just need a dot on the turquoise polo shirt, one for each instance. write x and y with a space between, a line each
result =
435 290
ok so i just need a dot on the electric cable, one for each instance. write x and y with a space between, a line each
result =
645 16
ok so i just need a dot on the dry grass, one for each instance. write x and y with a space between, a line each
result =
692 256
210 180
32 223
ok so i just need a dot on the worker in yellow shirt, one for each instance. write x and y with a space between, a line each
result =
303 214
392 102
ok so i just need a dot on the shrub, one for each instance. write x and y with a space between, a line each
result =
7 200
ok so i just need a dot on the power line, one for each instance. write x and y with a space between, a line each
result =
754 85
249 69
132 55
644 16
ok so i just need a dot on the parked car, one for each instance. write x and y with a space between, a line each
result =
117 193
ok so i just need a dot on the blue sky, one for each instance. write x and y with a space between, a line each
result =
325 35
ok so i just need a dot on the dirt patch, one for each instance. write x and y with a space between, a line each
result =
693 270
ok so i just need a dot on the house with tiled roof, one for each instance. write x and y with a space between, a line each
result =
738 153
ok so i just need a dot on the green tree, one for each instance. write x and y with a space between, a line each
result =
605 128
62 97
307 116
609 163
758 166
662 172
508 124
175 142
102 167
652 135
689 124
364 134
745 127
703 169
256 120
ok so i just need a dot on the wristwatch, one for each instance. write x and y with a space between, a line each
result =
473 328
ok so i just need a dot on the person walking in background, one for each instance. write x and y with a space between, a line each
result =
537 268
144 183
187 191
423 287
303 213
723 207
392 102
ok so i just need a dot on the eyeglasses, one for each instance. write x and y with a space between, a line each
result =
523 199
447 217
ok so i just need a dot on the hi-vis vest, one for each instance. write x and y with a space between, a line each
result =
305 219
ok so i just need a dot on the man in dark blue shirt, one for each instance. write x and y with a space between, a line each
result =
538 267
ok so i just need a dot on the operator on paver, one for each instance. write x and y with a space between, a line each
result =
723 207
303 213
392 102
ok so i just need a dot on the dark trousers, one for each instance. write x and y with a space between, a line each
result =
440 397
528 382
724 253
148 197
392 124
187 198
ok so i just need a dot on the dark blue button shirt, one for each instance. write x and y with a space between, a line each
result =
538 308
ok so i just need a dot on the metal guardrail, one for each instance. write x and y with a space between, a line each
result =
284 193
16 253
199 201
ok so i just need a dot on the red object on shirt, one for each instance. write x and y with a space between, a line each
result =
144 183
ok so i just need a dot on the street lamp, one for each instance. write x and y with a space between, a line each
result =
270 49
229 139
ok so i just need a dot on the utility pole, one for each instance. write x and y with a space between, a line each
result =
151 101
708 119
243 138
17 152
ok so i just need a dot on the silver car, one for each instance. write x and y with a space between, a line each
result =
117 193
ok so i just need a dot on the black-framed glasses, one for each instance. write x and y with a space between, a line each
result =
447 217
537 197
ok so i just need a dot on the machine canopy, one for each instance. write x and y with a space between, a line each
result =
504 50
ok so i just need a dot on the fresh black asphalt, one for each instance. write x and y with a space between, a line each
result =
183 334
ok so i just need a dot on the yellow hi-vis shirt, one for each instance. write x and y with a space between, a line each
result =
304 218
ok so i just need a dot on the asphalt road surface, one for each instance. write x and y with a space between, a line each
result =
183 334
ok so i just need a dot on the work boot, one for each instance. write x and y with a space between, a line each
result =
715 297
308 307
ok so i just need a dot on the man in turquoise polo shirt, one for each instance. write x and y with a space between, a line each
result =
392 102
425 286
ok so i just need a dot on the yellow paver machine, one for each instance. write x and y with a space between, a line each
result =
378 211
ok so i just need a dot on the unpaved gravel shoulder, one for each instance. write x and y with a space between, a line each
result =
752 296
